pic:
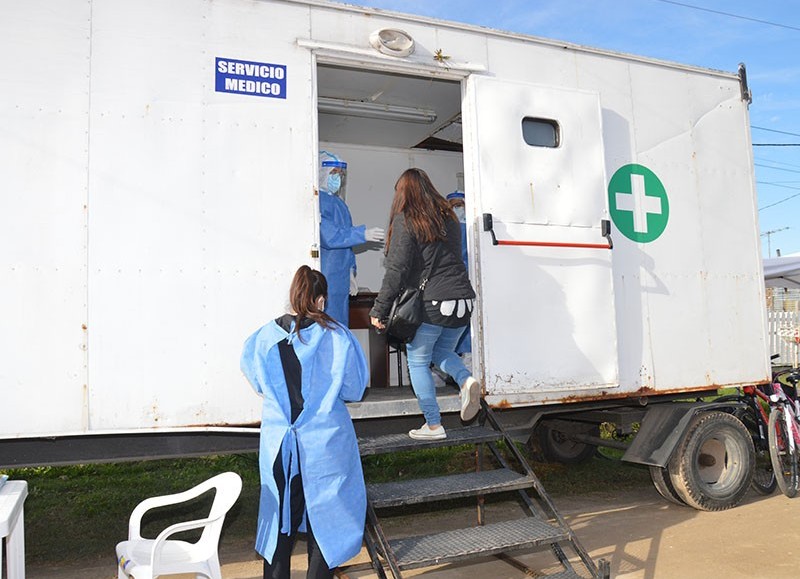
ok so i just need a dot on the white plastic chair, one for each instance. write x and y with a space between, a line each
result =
148 558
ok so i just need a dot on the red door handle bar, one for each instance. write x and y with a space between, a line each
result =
605 230
553 244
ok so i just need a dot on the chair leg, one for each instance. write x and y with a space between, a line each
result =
214 571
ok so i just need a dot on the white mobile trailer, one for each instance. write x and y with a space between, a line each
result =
159 164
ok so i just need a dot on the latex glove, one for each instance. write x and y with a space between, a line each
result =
353 284
375 234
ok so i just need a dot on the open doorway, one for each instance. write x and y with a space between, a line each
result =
382 123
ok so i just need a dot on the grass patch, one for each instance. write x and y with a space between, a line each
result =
80 512
414 464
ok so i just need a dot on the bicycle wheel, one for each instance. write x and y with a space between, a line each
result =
784 461
764 482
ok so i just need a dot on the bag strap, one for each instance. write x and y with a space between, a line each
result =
429 270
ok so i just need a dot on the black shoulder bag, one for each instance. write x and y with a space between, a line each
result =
406 313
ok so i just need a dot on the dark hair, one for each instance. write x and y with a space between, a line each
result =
424 208
307 286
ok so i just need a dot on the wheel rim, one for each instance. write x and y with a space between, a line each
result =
566 447
717 462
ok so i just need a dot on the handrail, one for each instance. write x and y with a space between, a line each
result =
605 229
551 244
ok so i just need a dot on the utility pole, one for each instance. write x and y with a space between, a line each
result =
769 239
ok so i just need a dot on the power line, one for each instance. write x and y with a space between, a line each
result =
774 184
693 7
774 144
777 168
777 162
775 131
778 202
782 200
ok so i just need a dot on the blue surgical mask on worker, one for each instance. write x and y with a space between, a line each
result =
334 183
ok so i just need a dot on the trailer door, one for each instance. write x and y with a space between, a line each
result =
542 268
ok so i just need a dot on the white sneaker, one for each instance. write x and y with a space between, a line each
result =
470 399
424 432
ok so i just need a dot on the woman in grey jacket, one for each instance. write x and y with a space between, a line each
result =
422 223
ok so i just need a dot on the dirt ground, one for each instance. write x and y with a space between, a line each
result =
642 535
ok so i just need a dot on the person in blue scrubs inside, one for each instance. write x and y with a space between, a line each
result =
338 236
305 366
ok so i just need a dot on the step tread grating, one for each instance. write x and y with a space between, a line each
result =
401 442
425 550
447 487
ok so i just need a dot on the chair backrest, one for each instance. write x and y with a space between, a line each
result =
228 485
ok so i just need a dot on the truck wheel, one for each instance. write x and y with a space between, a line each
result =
712 467
551 445
663 484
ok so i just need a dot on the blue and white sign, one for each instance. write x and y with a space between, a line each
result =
254 78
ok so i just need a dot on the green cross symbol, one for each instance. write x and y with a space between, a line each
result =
638 203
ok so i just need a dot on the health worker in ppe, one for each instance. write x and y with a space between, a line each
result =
338 236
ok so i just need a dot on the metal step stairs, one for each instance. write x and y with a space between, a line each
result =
540 527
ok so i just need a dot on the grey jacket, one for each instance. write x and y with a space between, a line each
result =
407 260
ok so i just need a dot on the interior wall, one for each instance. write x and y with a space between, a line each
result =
371 175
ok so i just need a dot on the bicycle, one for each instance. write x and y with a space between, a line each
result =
784 432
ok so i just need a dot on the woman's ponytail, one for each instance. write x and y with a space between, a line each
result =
308 286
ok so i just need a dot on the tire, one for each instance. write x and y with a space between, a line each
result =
784 461
663 484
551 445
712 468
764 482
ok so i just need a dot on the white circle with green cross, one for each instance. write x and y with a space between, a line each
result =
638 203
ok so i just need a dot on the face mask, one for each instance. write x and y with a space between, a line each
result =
334 183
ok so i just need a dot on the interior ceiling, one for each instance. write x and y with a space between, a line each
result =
441 96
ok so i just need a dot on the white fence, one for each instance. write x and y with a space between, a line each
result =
784 337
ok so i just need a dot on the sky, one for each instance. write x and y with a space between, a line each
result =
716 34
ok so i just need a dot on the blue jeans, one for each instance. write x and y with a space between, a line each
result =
433 344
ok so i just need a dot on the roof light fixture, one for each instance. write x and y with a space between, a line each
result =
373 110
392 41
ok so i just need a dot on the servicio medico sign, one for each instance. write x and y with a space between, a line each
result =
252 78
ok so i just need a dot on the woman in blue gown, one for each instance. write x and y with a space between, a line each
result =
305 366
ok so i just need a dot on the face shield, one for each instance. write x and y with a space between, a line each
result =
333 175
456 200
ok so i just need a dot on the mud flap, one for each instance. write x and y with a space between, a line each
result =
661 430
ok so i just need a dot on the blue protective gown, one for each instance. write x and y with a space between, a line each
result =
321 444
337 238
